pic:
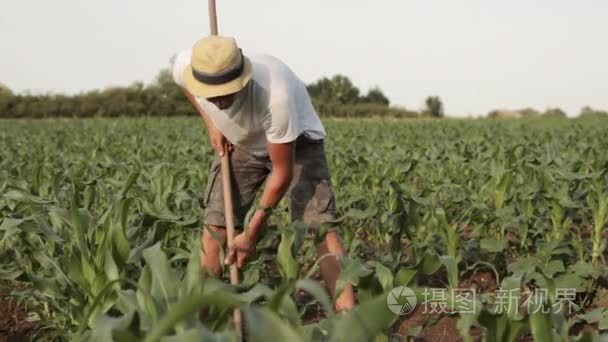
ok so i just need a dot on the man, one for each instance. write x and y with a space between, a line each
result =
257 105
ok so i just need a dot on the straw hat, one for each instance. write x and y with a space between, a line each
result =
217 67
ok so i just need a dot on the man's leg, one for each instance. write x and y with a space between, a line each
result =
312 200
213 239
248 173
330 270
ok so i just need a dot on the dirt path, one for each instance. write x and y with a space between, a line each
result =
14 323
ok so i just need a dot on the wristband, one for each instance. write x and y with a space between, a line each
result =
266 210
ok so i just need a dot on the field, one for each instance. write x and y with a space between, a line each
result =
497 226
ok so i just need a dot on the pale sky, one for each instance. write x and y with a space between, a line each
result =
477 55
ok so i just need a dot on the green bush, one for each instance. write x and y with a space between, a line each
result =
361 110
336 97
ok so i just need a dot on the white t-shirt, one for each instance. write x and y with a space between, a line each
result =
274 107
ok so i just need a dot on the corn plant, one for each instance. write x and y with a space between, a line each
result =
598 202
98 219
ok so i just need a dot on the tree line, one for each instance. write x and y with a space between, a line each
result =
336 97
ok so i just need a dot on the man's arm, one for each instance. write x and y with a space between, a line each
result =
179 62
217 139
281 126
282 159
281 132
199 109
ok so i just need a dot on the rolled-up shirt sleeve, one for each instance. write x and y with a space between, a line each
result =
282 121
179 63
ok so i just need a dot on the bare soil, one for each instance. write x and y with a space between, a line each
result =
14 323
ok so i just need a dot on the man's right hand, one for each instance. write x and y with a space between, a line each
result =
218 141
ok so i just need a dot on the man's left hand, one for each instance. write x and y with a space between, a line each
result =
242 249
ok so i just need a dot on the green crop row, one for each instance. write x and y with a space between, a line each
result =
101 218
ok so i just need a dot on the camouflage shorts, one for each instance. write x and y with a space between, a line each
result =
311 197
